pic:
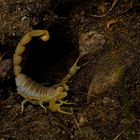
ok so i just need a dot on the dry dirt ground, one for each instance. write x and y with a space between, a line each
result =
106 91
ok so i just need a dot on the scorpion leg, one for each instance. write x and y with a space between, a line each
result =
64 112
66 102
33 102
41 104
56 107
61 103
22 104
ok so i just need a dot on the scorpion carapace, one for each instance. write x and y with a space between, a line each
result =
34 92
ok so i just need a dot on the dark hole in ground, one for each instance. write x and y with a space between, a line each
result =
63 8
47 62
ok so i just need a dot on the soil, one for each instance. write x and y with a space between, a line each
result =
106 90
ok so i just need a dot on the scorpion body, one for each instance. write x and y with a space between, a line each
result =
34 92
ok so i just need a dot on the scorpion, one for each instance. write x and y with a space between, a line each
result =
34 92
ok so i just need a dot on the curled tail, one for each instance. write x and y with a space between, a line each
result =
43 34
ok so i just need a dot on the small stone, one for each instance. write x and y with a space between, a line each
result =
91 42
106 100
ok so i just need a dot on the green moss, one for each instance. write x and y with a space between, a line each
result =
127 121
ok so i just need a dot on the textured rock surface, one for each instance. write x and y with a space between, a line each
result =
106 91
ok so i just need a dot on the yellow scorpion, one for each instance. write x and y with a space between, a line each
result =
34 92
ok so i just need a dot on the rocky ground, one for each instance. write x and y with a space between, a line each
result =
106 91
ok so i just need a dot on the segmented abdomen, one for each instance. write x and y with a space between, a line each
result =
28 87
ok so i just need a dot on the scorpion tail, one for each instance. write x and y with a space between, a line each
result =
43 34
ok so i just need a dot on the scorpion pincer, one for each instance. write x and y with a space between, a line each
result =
34 92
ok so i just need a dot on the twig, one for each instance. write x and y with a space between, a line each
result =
118 135
76 122
104 15
61 125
